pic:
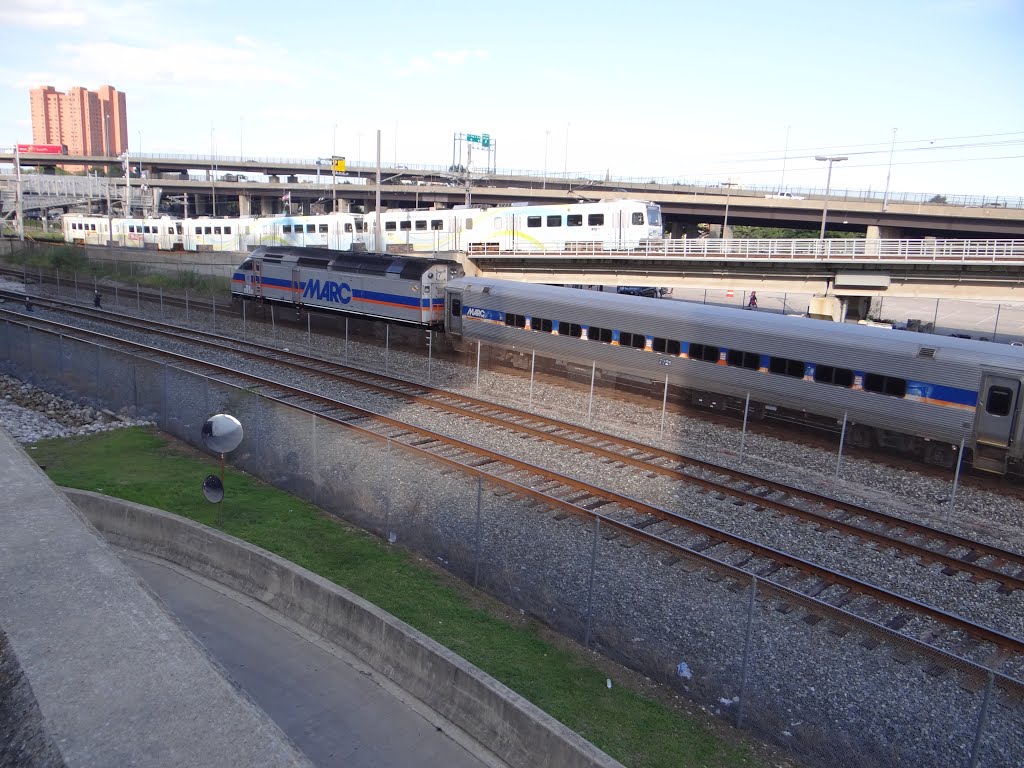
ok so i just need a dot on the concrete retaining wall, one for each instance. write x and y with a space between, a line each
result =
504 722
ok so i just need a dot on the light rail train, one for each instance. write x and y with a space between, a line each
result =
608 225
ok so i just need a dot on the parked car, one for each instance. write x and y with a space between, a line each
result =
784 196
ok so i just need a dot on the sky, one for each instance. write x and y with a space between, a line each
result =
923 93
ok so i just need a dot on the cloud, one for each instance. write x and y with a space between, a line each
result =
193 64
455 58
438 62
64 14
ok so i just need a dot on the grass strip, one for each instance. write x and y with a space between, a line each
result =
147 467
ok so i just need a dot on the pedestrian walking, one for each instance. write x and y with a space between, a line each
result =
752 304
97 300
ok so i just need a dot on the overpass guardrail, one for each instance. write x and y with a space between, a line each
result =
927 250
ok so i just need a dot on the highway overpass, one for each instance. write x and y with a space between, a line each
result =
244 186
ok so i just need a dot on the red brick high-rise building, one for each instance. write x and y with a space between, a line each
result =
88 122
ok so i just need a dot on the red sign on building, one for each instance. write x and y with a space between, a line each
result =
43 149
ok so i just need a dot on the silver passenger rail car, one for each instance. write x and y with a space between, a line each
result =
914 394
402 289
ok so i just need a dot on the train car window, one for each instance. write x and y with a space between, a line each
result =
456 307
405 226
436 224
740 359
575 330
311 228
600 334
246 266
595 219
131 227
705 352
216 230
554 221
287 229
227 230
999 401
574 220
533 221
886 385
323 228
199 230
826 374
389 226
542 324
666 346
421 224
515 321
786 367
92 228
206 231
638 218
348 227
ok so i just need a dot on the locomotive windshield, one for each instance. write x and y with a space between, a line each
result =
654 215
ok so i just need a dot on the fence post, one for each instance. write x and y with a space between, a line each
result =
664 407
387 346
746 652
590 405
533 363
346 341
743 436
478 367
982 717
476 534
590 585
842 439
430 353
956 478
309 334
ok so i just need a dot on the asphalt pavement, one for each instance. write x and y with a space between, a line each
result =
337 711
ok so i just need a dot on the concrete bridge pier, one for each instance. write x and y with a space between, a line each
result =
266 205
879 232
244 205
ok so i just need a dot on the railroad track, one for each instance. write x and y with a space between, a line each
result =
683 536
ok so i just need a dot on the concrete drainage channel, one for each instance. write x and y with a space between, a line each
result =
512 728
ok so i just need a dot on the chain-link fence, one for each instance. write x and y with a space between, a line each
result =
834 689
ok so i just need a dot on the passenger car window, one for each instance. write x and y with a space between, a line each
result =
999 401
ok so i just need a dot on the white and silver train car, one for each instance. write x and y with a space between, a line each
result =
337 231
912 393
602 226
404 289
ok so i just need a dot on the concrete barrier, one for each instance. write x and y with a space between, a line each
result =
504 722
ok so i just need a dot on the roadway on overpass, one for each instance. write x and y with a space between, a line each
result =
332 708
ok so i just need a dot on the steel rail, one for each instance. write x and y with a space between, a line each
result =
1004 644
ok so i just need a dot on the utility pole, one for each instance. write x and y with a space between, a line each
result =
19 209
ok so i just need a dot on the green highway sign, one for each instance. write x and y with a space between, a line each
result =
471 137
487 140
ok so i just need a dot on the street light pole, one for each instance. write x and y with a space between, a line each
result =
888 175
828 185
728 191
547 134
213 172
334 153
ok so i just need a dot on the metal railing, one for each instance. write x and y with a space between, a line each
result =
590 178
804 249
